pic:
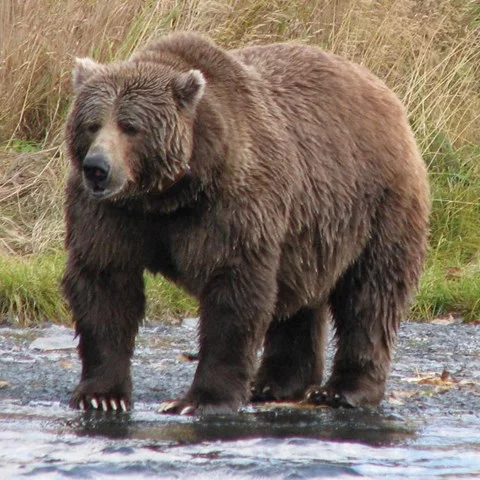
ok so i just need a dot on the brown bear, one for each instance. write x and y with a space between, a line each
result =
280 185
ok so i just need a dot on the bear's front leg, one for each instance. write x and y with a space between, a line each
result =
107 307
234 312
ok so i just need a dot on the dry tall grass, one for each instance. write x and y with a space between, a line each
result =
428 51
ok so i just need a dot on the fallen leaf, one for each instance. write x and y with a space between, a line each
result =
444 320
447 377
403 393
66 364
187 357
444 379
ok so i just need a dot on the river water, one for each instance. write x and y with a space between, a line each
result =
428 427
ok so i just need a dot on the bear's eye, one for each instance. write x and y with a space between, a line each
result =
128 128
93 128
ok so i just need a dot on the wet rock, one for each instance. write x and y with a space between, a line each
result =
56 338
190 322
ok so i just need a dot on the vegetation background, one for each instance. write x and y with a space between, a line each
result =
427 51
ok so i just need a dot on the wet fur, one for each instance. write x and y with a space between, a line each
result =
306 198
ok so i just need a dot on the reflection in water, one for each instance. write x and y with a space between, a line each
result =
367 427
44 443
108 425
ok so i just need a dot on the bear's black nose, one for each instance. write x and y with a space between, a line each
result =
96 169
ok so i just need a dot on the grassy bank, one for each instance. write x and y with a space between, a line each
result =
427 51
30 292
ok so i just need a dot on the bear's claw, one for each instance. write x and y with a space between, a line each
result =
176 407
263 395
102 403
186 407
327 396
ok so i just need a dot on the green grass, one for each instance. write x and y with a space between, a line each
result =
22 146
451 281
30 292
29 289
166 301
442 293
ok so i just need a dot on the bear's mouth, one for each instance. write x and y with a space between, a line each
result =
99 193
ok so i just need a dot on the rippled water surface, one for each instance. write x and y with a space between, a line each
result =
429 435
50 441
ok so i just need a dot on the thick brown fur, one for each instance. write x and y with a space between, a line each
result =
295 193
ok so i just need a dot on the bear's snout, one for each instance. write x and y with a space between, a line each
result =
96 170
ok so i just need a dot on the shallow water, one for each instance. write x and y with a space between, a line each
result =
426 436
50 441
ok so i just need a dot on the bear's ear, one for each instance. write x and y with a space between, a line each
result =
189 87
83 70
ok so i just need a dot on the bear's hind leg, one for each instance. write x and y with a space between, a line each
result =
367 304
293 357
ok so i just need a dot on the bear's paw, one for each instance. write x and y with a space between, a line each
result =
184 407
88 396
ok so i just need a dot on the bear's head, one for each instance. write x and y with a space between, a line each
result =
130 128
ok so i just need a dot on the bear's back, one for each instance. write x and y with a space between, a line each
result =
311 69
336 106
